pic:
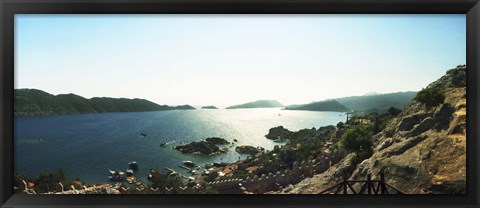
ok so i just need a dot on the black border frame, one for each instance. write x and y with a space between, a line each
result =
10 7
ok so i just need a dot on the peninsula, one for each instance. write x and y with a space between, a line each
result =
34 102
258 104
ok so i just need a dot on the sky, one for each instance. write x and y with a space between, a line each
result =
225 60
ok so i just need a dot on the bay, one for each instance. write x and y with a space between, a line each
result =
87 145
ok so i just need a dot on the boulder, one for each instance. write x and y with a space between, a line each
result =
408 122
443 117
386 143
423 126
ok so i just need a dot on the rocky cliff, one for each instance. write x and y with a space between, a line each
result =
420 151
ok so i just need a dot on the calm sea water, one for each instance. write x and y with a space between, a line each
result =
87 145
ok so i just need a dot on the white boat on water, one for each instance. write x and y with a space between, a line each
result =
189 163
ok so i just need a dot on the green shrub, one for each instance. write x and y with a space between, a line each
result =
430 97
394 111
19 178
358 139
46 182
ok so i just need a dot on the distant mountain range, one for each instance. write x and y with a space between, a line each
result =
377 102
371 102
330 105
258 104
33 102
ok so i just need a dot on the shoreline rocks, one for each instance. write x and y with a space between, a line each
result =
246 149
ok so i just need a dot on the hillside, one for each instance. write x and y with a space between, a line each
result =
371 102
258 104
377 102
420 151
33 102
331 105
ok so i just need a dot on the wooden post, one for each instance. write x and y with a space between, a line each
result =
382 182
345 184
369 183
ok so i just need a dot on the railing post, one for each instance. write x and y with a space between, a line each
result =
369 183
345 184
382 182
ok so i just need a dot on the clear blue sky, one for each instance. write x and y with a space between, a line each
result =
229 59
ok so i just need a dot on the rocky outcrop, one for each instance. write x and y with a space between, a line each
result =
217 140
420 151
279 133
246 149
201 147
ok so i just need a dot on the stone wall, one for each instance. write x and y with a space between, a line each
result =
273 181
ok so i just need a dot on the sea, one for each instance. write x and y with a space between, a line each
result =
86 146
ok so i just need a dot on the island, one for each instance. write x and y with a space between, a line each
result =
209 107
258 104
184 107
206 147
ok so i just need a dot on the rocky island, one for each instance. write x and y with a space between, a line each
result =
207 147
209 107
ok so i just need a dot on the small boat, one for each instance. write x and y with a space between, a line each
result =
189 163
208 165
170 170
143 134
133 165
116 175
129 172
222 164
152 174
185 167
174 174
162 144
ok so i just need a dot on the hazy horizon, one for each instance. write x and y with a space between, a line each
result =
224 60
219 106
